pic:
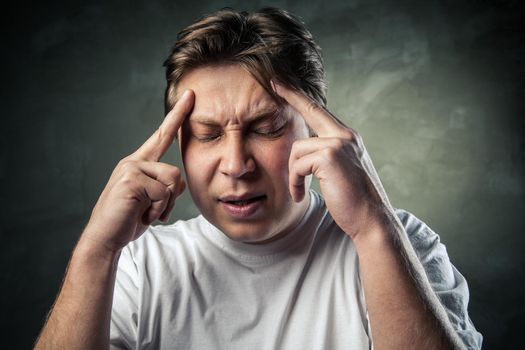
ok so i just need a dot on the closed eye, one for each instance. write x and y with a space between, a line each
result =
266 132
208 137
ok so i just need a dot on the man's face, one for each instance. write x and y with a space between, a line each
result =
235 147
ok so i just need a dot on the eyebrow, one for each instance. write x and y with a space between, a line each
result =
261 116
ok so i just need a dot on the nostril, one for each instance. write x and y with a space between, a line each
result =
237 165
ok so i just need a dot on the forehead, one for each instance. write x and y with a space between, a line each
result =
226 93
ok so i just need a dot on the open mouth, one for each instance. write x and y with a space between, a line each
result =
242 207
243 202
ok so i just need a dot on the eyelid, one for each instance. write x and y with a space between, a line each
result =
269 126
206 135
208 138
273 131
273 120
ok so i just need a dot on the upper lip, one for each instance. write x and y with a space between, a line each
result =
242 197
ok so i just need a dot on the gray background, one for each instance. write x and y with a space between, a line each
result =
436 88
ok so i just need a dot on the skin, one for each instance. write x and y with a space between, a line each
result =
140 190
237 140
403 310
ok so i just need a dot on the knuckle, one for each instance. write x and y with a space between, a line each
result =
329 153
128 180
349 134
135 197
123 160
338 144
174 173
121 163
127 166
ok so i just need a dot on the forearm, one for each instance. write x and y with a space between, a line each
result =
80 318
404 312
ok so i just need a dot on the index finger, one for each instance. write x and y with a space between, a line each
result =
158 143
322 122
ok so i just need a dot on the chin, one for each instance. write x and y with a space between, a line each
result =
247 233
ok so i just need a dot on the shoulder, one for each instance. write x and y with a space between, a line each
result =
412 224
426 242
149 271
431 252
449 284
162 244
180 232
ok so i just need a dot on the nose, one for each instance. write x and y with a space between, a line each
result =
236 161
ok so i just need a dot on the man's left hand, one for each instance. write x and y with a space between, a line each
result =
338 158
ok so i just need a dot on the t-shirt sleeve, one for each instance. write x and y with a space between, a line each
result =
448 283
124 312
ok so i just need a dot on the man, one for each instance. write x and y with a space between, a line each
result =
269 264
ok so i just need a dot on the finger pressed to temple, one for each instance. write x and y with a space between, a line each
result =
320 120
158 143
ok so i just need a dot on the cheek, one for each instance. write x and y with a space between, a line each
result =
274 159
198 168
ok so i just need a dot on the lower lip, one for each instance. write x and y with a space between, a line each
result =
242 211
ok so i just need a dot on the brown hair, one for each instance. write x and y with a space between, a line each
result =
270 43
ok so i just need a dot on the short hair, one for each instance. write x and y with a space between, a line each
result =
270 43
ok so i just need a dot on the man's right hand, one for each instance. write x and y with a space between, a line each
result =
141 189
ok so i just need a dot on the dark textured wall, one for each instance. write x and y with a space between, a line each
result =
434 87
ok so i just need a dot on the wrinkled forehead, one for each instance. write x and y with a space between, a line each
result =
227 93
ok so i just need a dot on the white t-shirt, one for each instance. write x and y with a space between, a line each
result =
188 286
